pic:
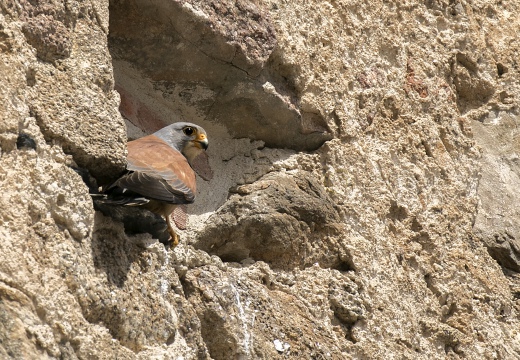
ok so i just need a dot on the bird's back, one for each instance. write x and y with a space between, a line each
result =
156 172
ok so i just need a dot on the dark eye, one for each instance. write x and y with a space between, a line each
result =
188 130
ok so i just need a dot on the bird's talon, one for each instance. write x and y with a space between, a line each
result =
174 239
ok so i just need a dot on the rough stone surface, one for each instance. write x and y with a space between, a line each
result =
59 52
286 221
255 300
496 224
231 77
364 203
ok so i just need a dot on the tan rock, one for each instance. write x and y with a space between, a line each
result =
363 201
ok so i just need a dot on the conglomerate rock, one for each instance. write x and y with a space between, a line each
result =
287 221
364 202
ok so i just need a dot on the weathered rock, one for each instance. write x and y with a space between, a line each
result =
374 244
70 96
216 58
49 37
286 221
253 307
495 223
61 289
473 88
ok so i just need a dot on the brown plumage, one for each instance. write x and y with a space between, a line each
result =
159 177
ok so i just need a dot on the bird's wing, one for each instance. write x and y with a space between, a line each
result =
159 172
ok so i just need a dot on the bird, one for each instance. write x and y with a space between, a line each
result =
158 174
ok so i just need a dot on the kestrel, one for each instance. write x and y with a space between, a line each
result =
159 177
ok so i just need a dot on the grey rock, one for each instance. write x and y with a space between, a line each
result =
389 229
223 48
280 219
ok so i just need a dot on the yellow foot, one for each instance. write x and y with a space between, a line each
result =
174 239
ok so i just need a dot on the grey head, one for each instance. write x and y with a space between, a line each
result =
190 139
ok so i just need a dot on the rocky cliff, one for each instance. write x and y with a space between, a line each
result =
365 197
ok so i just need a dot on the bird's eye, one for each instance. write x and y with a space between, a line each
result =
188 130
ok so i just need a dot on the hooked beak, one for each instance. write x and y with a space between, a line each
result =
201 142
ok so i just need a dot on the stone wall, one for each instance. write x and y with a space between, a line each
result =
364 203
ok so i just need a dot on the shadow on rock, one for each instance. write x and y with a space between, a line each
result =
285 220
111 250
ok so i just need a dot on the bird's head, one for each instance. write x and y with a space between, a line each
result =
188 138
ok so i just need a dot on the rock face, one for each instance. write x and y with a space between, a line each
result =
232 75
364 203
287 221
